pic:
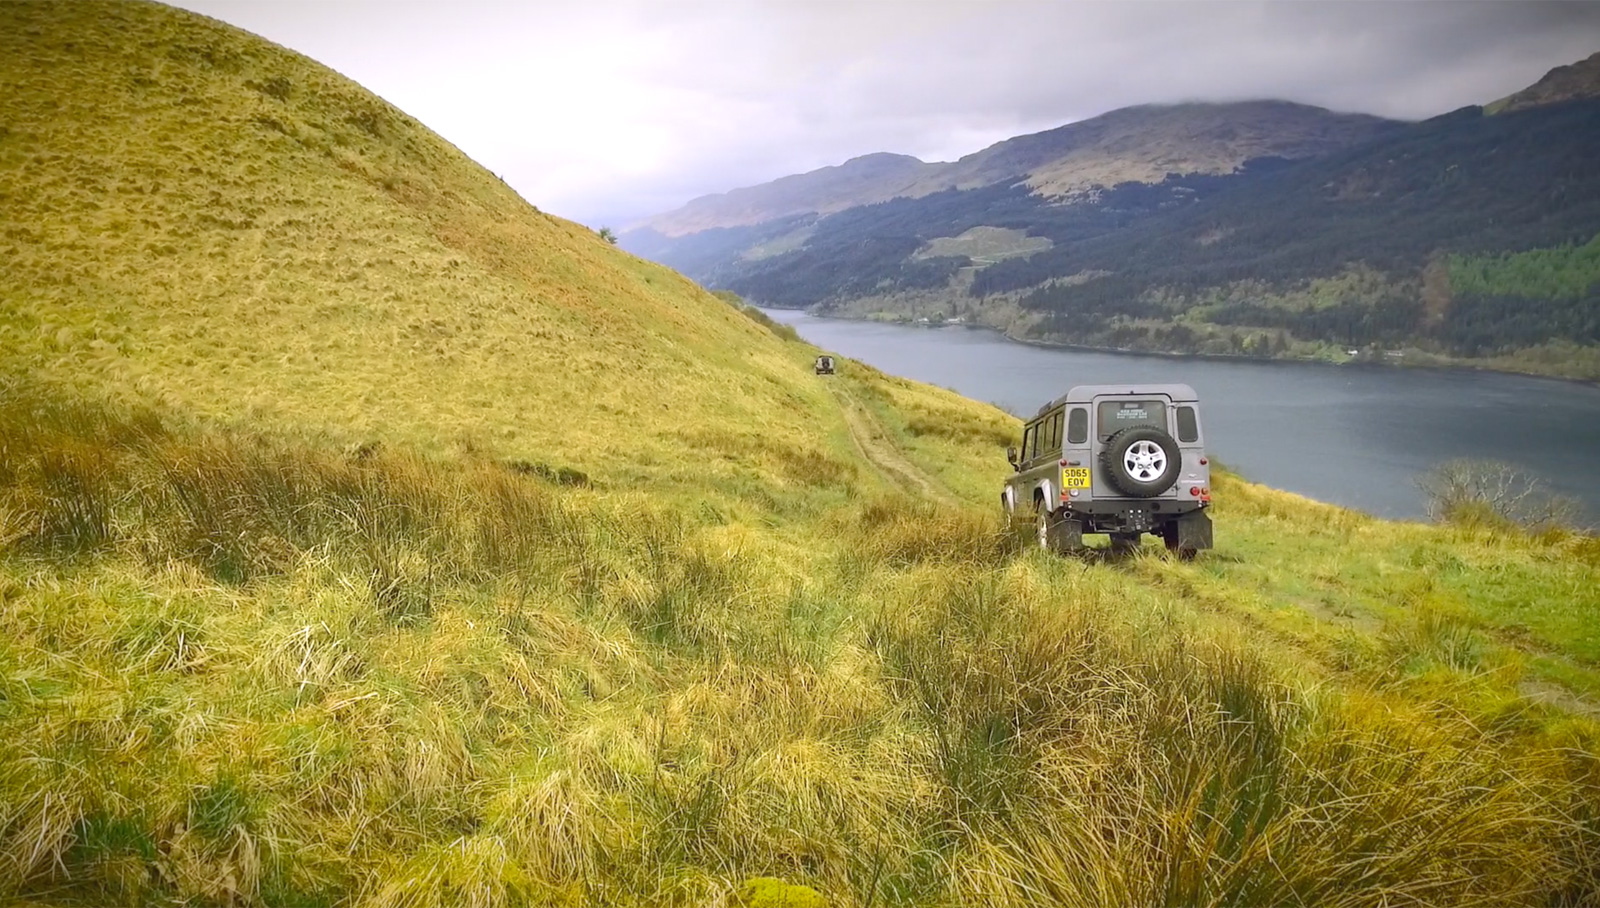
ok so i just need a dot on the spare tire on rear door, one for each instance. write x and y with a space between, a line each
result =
1141 461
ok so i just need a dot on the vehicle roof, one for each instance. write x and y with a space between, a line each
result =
1083 394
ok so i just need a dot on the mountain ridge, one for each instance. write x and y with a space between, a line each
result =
1574 81
1463 193
1143 143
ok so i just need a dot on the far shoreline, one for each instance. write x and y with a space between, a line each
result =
1466 367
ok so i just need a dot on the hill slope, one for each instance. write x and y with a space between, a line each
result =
1573 82
1144 144
304 601
1383 246
1260 229
351 272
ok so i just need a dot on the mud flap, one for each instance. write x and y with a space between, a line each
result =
1191 531
1066 536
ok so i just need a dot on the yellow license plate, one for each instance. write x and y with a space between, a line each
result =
1075 477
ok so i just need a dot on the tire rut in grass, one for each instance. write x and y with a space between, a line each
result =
872 443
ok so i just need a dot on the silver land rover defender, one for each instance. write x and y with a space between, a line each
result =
1117 459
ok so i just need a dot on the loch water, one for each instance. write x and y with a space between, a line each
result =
1356 435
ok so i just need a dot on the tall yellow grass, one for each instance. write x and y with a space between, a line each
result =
239 669
369 538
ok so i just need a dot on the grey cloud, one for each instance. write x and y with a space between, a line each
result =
657 102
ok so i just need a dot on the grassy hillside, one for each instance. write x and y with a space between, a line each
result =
209 221
238 669
368 538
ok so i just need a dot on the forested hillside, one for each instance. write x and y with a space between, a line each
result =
1463 238
1411 212
1382 246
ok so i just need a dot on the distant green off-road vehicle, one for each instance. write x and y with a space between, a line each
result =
1117 459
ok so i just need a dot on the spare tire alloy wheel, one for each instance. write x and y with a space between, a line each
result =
1141 461
1144 461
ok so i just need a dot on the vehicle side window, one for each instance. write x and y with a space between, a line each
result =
1027 442
1078 426
1052 433
1188 426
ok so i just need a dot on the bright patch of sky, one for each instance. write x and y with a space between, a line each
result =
607 112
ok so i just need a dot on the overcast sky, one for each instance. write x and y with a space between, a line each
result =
608 111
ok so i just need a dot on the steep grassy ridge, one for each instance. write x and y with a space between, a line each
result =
198 217
1147 142
248 656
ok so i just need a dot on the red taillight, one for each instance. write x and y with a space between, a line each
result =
1195 491
1203 461
1063 463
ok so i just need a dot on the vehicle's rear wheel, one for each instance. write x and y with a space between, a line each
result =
1041 523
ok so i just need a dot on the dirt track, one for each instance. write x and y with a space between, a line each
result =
874 444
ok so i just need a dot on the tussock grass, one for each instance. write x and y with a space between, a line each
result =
901 532
368 538
282 673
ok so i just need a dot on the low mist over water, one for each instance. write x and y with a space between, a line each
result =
1358 436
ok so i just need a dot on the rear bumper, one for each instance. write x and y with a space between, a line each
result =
1190 530
1136 516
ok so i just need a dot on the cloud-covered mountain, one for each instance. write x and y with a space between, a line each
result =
1262 228
1136 143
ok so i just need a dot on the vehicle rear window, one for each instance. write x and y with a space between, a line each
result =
1116 415
1188 426
1077 426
